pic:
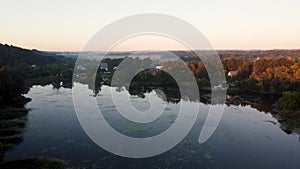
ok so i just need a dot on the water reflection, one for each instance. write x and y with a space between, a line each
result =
12 124
245 137
260 102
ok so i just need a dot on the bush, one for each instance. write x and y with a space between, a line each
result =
290 101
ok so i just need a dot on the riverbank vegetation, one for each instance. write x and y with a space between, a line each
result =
261 73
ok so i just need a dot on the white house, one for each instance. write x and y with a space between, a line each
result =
232 73
158 67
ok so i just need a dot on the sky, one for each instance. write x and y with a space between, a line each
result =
67 25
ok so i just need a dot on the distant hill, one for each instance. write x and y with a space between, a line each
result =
254 54
14 56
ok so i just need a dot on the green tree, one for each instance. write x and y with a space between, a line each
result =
249 84
290 100
11 86
232 63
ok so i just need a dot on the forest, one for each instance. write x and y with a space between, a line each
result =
275 72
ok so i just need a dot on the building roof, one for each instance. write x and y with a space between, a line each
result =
232 73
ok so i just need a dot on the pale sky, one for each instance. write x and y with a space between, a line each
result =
67 25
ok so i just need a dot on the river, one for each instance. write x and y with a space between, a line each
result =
245 137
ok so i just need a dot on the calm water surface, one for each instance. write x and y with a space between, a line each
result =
245 138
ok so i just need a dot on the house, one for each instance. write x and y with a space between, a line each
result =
158 67
104 66
232 73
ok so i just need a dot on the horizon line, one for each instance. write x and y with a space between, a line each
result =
160 50
175 50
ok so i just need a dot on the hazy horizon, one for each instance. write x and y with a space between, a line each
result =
154 50
231 24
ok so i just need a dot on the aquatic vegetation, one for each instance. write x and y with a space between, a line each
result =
191 143
12 113
31 163
12 123
5 146
208 155
133 130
